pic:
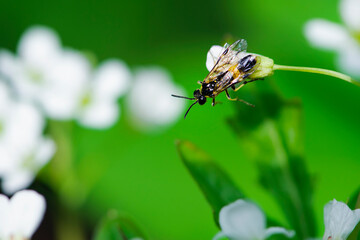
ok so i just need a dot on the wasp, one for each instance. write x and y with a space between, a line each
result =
231 70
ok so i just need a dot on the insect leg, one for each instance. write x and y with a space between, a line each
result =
214 103
243 84
237 99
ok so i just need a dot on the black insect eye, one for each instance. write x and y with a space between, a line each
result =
212 85
197 93
202 100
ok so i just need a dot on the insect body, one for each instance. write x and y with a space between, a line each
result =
230 70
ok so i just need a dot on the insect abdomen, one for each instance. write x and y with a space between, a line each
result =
247 63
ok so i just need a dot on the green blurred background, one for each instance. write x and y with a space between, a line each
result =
139 173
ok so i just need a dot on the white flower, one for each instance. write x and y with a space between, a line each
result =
98 107
23 149
150 100
20 168
21 215
339 220
344 40
244 220
46 74
213 55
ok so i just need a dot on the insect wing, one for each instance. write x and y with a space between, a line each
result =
239 46
229 57
230 54
225 83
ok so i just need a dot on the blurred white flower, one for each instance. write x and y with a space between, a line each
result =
150 100
98 107
23 149
62 82
345 40
339 220
46 74
21 215
19 168
244 220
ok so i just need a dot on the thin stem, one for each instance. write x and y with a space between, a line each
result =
317 70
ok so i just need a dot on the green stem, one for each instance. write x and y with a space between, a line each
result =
317 70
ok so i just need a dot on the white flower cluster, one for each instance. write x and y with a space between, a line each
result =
45 80
244 220
62 82
23 148
345 40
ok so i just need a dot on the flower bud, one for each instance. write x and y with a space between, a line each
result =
265 68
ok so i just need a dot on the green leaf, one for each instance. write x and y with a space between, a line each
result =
354 203
115 227
215 184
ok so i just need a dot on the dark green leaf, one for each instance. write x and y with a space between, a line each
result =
215 184
115 227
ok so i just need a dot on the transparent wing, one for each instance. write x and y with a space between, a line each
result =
229 55
239 45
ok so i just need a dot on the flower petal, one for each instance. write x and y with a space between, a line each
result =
325 34
4 217
349 60
242 220
66 81
60 105
150 100
8 64
349 10
71 72
16 180
111 80
44 152
8 160
219 235
279 230
39 46
22 127
99 114
4 100
213 55
27 211
339 220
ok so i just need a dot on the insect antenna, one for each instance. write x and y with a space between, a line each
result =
190 108
182 97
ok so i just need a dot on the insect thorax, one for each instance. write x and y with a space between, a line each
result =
207 88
